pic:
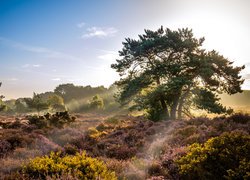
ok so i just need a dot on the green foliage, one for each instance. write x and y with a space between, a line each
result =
112 120
37 103
96 102
70 91
70 149
164 70
20 106
56 102
39 121
79 166
207 100
57 120
78 98
226 156
2 105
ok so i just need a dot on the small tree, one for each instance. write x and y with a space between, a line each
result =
20 105
37 103
96 102
56 102
2 105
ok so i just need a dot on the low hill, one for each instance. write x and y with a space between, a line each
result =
239 101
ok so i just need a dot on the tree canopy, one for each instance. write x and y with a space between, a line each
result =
166 72
36 103
96 102
69 91
56 102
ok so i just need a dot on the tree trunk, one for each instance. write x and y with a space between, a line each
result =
181 103
180 108
164 106
174 107
162 100
173 111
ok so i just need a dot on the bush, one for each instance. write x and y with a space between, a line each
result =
5 147
96 102
70 149
155 169
112 120
226 156
39 121
80 166
45 145
55 120
13 138
64 136
240 118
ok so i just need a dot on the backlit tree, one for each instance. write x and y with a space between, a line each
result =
166 72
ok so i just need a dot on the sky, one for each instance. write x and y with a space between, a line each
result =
45 43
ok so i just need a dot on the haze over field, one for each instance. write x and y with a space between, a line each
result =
46 43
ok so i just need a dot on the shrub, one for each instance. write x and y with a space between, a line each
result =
5 147
112 120
80 166
15 125
119 166
240 118
9 165
226 156
45 145
57 120
39 121
25 153
70 149
16 138
96 102
155 169
64 136
121 152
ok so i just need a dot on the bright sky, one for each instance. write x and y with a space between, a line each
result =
45 43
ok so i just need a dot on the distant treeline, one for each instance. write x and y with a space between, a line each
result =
86 99
66 97
239 99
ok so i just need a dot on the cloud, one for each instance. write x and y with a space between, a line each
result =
108 56
13 79
56 79
36 65
31 65
74 80
99 32
246 76
80 25
48 53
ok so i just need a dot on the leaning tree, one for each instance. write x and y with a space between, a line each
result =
167 72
